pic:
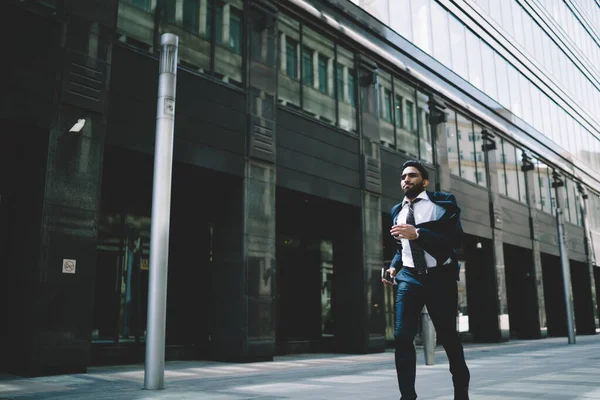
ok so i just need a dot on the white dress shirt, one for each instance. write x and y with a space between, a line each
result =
425 210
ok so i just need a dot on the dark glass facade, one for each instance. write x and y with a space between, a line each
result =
289 139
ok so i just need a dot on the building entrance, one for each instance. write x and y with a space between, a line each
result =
121 288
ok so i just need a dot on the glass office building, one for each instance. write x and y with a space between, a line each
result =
293 118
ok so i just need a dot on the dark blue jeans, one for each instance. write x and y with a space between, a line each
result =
438 291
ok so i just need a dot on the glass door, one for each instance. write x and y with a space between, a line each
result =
121 279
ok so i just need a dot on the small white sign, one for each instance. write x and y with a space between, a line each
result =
69 266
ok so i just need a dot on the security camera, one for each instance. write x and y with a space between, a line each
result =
78 126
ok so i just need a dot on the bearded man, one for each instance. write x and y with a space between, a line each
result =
427 228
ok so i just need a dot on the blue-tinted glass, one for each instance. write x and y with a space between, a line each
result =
323 76
291 61
307 66
235 32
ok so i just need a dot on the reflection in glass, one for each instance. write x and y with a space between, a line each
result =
480 157
406 128
466 148
425 139
440 34
135 23
515 91
544 187
501 162
402 20
521 177
346 89
318 58
502 78
474 58
524 84
289 67
421 24
463 312
228 48
458 46
386 109
452 143
489 71
512 171
121 288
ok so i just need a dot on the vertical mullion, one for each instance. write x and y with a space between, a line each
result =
213 34
301 62
393 111
472 135
336 84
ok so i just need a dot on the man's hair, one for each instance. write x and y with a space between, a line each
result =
418 166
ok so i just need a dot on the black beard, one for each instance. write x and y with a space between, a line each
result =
414 191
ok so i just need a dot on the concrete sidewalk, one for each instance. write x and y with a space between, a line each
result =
539 369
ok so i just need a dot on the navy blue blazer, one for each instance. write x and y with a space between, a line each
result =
438 237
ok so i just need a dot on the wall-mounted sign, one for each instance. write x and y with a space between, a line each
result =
144 264
69 266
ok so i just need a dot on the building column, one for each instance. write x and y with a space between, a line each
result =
497 328
438 121
589 249
60 284
363 329
539 330
245 290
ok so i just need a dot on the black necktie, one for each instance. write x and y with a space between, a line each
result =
418 255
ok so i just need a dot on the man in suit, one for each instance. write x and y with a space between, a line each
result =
427 228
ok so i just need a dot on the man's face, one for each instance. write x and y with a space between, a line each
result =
412 182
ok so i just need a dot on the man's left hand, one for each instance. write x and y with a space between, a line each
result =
404 231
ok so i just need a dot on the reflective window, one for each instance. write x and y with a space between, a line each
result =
537 109
525 98
515 91
501 168
458 47
521 176
318 97
406 128
228 41
489 71
511 169
440 34
135 23
346 89
507 17
545 187
402 21
571 204
421 24
466 149
452 143
386 109
316 76
425 139
474 58
502 77
289 68
479 155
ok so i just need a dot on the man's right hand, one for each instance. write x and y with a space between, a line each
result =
392 273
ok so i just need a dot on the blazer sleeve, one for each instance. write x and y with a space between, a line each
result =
449 234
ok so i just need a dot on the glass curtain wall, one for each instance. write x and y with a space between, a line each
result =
439 33
316 76
210 33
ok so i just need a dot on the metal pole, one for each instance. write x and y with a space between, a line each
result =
564 259
428 337
154 369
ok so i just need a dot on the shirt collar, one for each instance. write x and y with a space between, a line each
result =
422 195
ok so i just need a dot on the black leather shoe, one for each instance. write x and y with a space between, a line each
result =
461 393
